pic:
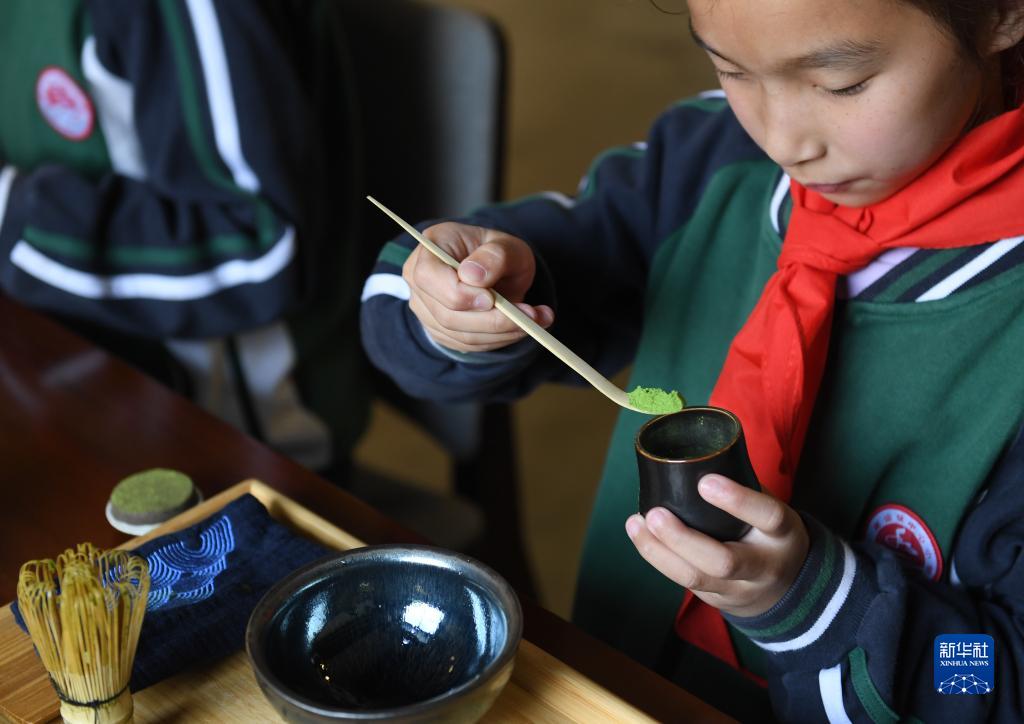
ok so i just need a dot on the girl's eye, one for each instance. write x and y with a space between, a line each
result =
728 74
850 90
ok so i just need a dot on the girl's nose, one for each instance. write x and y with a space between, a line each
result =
790 135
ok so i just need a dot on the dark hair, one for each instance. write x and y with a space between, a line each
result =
966 20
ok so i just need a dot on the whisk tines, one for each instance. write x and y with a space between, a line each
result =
84 612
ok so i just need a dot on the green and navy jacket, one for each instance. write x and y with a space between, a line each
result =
163 181
912 477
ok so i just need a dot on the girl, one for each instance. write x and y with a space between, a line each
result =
833 251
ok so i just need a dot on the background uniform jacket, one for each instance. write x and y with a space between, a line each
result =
165 189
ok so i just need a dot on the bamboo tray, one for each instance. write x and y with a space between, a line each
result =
542 688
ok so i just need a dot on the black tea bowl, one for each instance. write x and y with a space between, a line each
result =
398 633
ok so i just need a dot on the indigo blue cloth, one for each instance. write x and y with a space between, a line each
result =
205 581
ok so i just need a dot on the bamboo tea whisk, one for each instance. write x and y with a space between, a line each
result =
84 612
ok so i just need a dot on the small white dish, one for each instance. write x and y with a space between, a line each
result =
140 529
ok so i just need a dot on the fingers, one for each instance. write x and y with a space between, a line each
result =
762 511
745 577
502 262
488 258
467 331
664 558
432 279
455 307
709 558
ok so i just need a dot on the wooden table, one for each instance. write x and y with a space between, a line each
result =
74 420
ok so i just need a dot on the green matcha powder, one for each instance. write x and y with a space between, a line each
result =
655 400
152 490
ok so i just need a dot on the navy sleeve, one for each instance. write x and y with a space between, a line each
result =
853 639
198 229
594 252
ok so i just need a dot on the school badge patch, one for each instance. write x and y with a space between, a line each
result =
64 105
903 530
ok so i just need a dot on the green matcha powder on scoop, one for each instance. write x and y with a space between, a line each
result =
655 400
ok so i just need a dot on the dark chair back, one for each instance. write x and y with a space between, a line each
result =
430 91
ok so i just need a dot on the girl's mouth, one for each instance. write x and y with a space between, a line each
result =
831 188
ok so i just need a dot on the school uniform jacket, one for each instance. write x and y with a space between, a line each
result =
912 477
158 162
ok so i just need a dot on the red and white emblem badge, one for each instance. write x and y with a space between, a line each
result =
903 530
64 104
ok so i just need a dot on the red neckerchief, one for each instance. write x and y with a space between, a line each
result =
972 195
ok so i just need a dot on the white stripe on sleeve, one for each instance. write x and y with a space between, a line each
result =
828 615
115 105
391 284
155 286
7 175
830 683
219 93
566 202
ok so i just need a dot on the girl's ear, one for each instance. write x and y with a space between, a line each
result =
1008 29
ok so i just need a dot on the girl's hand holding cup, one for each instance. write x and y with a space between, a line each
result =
455 307
744 577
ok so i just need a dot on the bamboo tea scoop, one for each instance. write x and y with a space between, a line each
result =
510 310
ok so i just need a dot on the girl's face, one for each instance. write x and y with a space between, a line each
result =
852 99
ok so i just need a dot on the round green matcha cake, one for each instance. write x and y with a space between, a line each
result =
152 496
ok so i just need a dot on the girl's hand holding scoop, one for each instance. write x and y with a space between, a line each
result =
456 308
